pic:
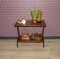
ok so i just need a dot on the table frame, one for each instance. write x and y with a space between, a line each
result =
30 24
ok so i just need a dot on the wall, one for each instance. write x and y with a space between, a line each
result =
13 10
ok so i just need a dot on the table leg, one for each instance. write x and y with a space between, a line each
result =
17 43
43 36
18 36
43 43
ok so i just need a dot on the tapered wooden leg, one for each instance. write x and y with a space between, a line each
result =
17 43
18 36
43 36
43 43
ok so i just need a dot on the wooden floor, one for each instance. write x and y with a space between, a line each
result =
8 50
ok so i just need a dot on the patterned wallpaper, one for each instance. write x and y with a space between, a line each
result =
13 10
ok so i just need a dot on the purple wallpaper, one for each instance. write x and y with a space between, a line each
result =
13 10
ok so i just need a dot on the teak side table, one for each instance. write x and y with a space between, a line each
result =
30 24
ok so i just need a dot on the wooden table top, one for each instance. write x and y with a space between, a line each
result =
30 24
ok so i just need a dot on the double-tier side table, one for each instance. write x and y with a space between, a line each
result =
30 24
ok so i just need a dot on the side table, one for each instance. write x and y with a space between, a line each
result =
30 24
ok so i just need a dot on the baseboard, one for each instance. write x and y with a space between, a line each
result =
14 37
52 37
8 37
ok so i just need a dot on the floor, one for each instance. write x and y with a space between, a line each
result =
8 50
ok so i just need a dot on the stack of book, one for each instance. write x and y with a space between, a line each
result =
25 36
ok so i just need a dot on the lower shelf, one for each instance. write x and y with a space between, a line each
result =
32 39
35 38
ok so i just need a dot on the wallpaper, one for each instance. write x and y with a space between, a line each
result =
13 10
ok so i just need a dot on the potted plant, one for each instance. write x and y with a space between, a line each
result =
33 15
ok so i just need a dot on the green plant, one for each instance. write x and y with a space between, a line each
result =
33 13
